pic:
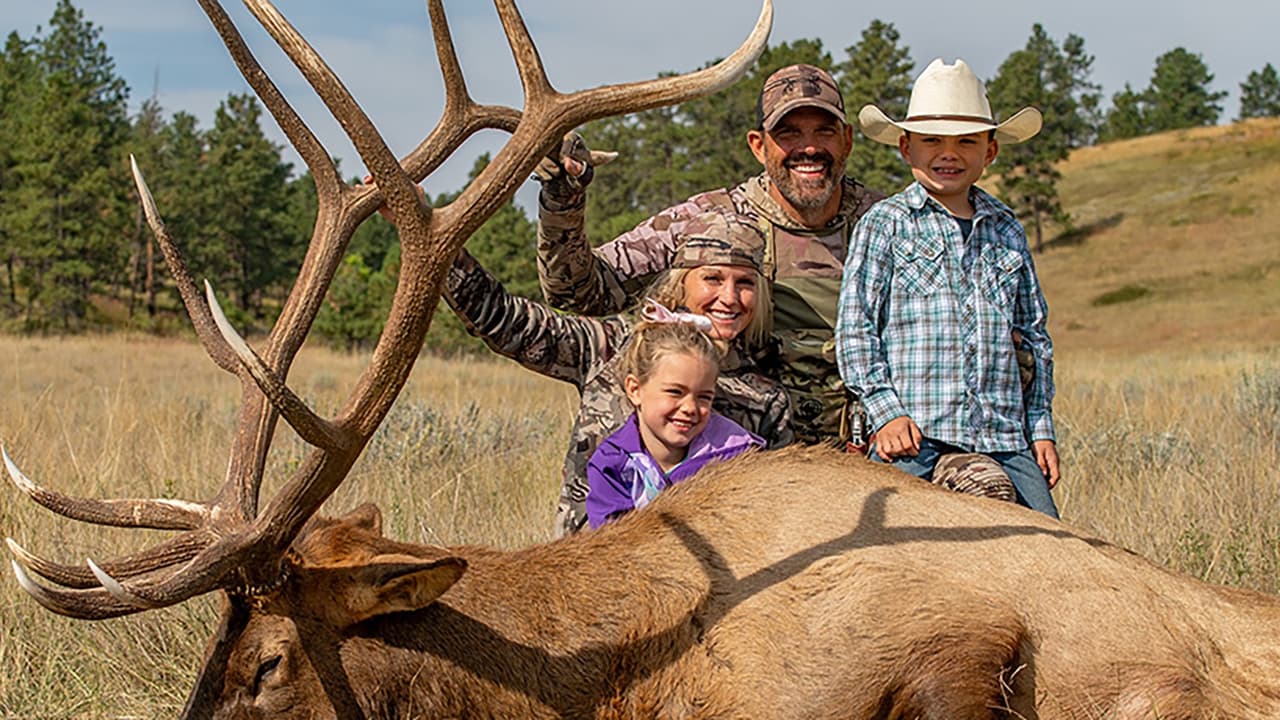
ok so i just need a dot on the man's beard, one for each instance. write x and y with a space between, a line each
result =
806 194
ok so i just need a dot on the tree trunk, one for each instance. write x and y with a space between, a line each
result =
134 259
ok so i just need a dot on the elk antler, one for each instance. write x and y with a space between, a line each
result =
225 542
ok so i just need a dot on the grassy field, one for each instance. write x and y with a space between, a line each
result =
1171 455
1165 308
1175 247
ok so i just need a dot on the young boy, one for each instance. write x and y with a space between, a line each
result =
937 284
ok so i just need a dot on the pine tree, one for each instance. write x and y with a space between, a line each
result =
876 70
1086 122
18 87
357 304
1127 117
71 200
146 145
179 183
245 244
1179 96
1040 75
1260 94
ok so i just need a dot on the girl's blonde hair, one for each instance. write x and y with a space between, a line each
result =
651 341
668 289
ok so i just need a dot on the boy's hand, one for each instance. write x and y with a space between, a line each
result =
1047 459
898 438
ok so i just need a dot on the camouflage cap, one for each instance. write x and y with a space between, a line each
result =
717 238
797 86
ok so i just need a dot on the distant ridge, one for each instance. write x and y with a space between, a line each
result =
1176 243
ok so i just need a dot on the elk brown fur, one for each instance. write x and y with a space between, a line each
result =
796 584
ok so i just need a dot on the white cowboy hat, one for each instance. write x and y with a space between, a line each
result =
948 100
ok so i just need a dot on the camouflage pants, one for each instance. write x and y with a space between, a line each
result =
973 474
994 475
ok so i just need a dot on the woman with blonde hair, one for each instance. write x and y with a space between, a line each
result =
715 282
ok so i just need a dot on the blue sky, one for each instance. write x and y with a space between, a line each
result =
382 48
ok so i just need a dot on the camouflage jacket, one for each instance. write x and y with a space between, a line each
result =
805 266
586 352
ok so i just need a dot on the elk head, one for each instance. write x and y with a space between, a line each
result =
226 543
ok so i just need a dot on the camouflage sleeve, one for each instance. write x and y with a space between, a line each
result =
612 277
757 403
558 346
1030 317
775 421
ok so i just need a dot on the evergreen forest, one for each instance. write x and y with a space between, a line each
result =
78 256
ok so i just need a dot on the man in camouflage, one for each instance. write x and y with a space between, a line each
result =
803 203
586 351
805 206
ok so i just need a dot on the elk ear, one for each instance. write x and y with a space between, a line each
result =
400 583
367 517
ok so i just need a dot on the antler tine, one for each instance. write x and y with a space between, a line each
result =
606 100
456 96
462 117
177 550
196 309
310 427
548 115
119 591
412 216
94 604
300 136
220 564
159 514
533 76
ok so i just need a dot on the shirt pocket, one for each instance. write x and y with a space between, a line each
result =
917 268
1002 269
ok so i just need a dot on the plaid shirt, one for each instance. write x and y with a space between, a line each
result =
926 323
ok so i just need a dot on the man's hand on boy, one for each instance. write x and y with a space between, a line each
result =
1047 458
898 438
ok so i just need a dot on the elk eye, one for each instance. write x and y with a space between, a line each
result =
264 671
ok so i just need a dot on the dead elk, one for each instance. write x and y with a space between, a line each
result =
798 584
801 584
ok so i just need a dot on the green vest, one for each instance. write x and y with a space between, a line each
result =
806 269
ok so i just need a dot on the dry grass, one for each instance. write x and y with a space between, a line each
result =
470 453
1168 413
1174 457
1166 454
1188 216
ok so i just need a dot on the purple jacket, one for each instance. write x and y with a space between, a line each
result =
623 476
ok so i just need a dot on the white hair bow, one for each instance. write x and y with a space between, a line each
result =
654 311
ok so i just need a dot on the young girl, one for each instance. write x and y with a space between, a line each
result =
671 368
715 273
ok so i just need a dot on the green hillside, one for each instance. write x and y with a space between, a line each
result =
1177 243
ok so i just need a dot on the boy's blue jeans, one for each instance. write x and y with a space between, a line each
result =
1029 483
